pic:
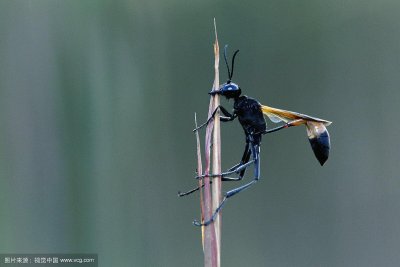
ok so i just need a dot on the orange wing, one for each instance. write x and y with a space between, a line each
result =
277 115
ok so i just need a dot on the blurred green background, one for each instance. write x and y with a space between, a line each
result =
96 111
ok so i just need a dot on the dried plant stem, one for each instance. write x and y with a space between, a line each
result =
212 238
210 241
216 165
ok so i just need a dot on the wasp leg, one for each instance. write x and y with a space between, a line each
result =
245 159
228 117
180 194
239 168
224 174
256 159
255 149
223 178
286 125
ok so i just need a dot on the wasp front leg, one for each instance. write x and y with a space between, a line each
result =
227 117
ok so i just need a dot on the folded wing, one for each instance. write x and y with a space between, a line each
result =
277 115
317 133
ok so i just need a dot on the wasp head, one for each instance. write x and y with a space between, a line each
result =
229 90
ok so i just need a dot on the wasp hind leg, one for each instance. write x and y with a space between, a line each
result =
255 149
238 168
244 161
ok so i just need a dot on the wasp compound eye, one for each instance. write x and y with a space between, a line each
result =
230 87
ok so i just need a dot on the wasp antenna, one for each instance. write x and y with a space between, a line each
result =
227 65
233 62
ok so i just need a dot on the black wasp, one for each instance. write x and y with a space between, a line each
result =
250 114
